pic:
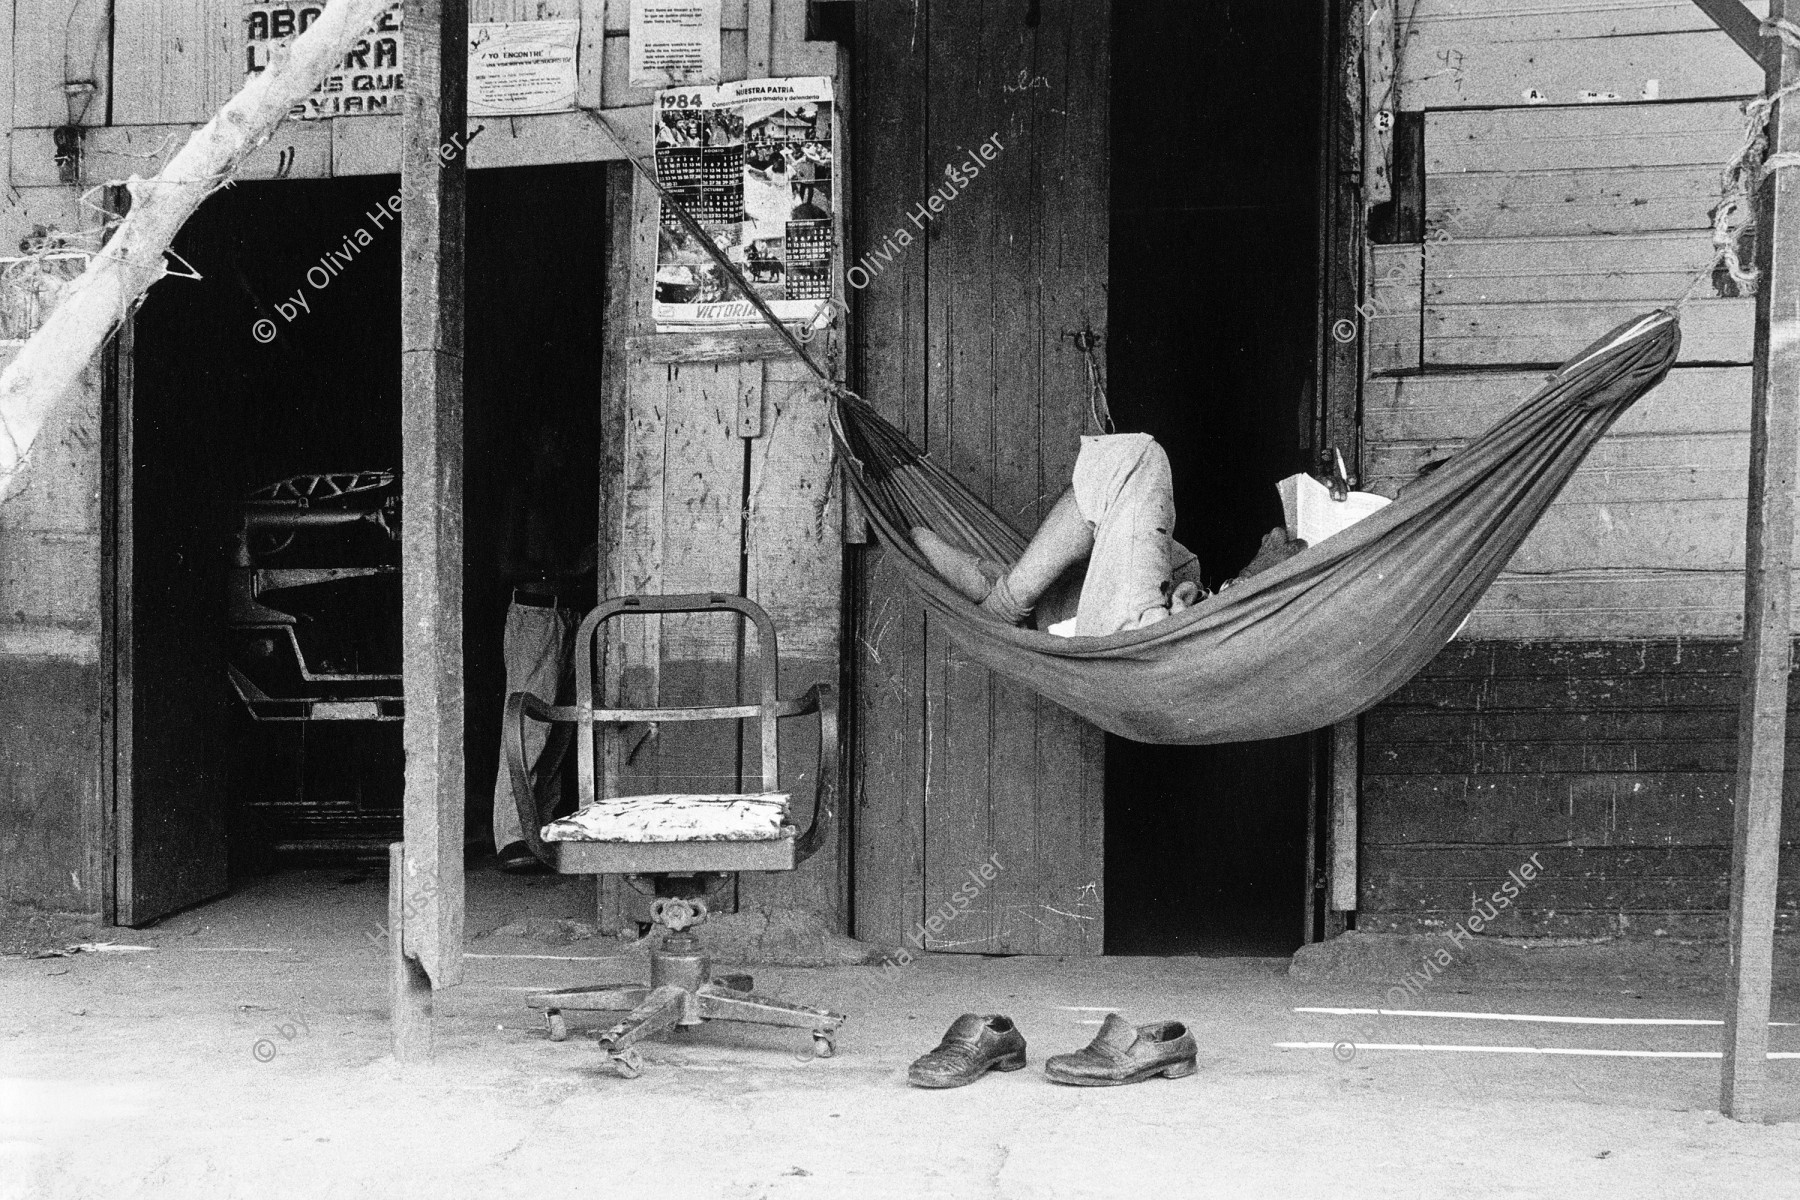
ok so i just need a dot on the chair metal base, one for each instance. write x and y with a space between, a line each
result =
681 992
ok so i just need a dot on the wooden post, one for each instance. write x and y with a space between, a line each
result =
1768 549
409 988
432 180
1340 836
1381 100
1338 417
633 213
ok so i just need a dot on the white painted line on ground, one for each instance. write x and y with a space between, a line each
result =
1576 1051
1536 1017
594 958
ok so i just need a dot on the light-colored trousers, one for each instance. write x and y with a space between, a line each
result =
1124 491
536 646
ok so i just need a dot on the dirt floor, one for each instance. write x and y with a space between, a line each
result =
245 1054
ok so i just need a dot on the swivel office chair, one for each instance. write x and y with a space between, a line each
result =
677 846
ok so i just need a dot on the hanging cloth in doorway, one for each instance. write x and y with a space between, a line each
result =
1323 636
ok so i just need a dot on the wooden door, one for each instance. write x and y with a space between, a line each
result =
717 476
171 702
968 339
726 484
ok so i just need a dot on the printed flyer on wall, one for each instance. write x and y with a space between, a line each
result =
521 67
752 162
674 42
515 67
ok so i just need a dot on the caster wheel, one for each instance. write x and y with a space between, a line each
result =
559 1028
823 1046
627 1063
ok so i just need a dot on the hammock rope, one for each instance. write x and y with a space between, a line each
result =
1317 639
1744 172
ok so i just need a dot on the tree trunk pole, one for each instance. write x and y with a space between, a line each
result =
1768 566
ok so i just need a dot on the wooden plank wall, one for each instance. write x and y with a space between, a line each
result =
963 345
704 509
55 42
1588 713
692 504
1546 224
170 64
177 61
1613 761
51 802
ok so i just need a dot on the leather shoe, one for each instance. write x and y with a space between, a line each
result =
1123 1053
973 1046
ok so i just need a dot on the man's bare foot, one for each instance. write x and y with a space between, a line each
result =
973 577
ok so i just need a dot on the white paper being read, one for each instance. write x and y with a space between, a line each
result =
1312 515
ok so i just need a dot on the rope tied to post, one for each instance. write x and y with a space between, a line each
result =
1781 27
1735 216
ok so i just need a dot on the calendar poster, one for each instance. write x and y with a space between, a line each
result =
752 162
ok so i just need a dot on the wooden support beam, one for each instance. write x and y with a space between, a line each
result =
1740 23
432 178
633 212
1341 835
1338 416
1768 602
409 988
1381 99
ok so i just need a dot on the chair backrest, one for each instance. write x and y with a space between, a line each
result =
590 681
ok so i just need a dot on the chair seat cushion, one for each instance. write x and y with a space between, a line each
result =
669 817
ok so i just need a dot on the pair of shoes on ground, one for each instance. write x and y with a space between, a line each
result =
1120 1053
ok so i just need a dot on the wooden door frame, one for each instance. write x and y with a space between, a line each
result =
117 555
1331 872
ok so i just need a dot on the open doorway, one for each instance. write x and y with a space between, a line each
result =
259 652
1216 185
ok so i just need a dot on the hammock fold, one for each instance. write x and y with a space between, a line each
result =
1323 636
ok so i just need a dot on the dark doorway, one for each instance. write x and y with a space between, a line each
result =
1214 274
283 360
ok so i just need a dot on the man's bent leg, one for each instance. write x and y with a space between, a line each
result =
1064 539
972 576
1123 487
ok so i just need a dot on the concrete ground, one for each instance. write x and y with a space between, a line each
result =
246 1055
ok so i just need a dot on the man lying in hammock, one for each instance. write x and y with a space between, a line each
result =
1118 514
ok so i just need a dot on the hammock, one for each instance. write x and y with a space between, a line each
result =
1323 636
1327 634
